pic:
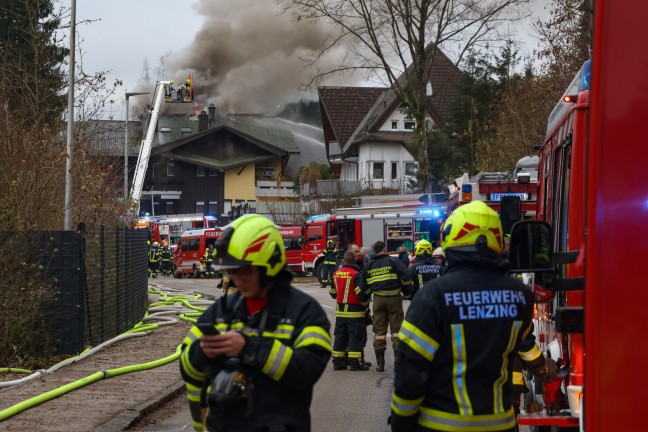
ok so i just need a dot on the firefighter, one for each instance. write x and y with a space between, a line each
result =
425 268
207 262
462 333
386 277
165 256
350 314
328 268
154 259
270 341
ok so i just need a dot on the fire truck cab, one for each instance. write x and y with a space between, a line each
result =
188 254
293 237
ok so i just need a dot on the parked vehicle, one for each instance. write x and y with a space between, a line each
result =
395 229
292 236
586 251
188 256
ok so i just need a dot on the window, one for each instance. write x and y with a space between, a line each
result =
410 168
394 124
394 170
213 172
169 207
227 206
378 171
213 207
155 171
170 169
409 125
200 207
200 171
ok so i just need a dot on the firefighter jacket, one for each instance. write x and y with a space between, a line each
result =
166 255
284 362
351 300
330 255
386 276
458 342
154 255
423 270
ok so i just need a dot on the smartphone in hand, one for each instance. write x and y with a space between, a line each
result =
207 328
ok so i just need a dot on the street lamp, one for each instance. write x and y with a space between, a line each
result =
128 95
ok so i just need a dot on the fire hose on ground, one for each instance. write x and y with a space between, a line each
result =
185 307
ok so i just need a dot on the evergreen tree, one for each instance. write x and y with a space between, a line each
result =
31 58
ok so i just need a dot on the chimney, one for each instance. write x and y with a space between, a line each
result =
203 122
212 113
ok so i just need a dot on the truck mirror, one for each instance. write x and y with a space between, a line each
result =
531 246
530 253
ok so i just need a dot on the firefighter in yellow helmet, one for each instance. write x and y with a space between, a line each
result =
425 268
461 334
253 357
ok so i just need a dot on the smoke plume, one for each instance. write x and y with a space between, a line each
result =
247 58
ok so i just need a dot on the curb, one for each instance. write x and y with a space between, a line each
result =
129 416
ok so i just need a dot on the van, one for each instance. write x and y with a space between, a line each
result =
292 237
188 254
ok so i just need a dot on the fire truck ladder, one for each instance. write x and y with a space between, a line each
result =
145 147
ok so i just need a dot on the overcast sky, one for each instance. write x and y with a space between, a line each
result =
243 56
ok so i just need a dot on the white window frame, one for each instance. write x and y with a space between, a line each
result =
200 171
394 124
170 169
200 204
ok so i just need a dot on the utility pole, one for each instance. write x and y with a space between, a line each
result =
67 221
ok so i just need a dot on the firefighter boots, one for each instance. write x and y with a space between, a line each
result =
358 365
380 361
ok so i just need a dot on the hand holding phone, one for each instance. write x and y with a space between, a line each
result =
207 328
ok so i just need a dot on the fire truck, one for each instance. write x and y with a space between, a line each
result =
364 229
491 187
587 248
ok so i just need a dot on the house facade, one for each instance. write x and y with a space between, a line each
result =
369 135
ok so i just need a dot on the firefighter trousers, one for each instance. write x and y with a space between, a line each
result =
327 274
387 312
351 333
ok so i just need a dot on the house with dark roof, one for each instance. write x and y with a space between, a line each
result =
213 165
368 133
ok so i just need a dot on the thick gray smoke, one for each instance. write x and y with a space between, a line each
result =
247 58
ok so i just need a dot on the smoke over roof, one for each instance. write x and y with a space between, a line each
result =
247 58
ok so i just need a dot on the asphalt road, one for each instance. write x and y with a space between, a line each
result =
342 400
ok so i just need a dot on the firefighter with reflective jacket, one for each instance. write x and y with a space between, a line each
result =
386 277
208 258
165 258
425 268
350 315
461 335
253 357
330 256
154 259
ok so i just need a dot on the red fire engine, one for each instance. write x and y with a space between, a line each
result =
292 237
395 229
592 207
491 187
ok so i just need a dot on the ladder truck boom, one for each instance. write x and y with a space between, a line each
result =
145 147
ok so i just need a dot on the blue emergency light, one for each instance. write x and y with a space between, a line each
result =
586 76
432 212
